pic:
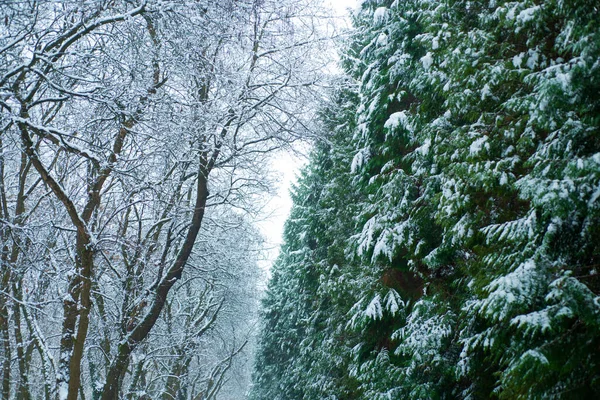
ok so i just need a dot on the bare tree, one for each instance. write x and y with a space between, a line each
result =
134 139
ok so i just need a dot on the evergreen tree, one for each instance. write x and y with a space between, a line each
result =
455 252
304 352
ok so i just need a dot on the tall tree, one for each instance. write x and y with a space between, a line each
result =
302 338
123 123
475 201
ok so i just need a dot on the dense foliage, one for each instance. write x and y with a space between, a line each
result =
445 242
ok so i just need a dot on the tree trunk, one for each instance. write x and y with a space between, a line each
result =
76 309
7 353
141 331
12 284
23 384
4 328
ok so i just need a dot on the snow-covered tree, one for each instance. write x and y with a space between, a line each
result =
474 245
134 144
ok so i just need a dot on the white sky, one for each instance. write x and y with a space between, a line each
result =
288 166
341 6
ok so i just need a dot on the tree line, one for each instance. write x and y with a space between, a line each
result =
444 240
134 145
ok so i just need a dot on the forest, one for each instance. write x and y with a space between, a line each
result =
444 241
135 138
444 236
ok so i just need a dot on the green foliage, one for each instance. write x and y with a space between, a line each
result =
304 348
455 215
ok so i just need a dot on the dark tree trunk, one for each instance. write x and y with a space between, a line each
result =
142 329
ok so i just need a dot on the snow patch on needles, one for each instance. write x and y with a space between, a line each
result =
380 15
374 309
427 60
398 119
